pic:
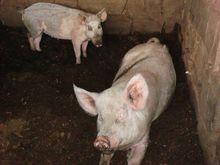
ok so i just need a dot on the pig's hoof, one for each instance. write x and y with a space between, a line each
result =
78 61
38 49
33 48
85 55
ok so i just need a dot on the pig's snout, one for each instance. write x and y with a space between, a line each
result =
97 41
102 143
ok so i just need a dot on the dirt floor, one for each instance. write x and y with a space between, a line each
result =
42 123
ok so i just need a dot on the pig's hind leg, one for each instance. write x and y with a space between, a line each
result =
38 37
37 42
31 42
34 35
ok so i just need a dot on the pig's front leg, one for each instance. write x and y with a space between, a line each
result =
105 159
136 154
84 48
77 48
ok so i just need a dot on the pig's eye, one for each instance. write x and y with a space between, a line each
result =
89 28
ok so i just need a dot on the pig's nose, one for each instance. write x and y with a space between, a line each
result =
98 44
102 143
97 41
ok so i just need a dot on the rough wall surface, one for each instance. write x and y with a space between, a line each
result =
125 16
201 53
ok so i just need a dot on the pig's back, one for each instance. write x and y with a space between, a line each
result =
162 69
49 9
52 16
155 64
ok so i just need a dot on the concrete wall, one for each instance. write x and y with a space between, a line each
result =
125 16
201 53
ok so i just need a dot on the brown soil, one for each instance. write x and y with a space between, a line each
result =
42 123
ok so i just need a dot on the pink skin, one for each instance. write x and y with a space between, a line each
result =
84 47
37 42
77 47
136 154
31 42
70 24
137 97
136 93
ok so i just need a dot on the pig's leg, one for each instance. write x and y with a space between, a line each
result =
35 33
37 42
105 159
31 42
77 48
136 155
84 47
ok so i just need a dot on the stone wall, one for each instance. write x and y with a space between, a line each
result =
201 53
125 16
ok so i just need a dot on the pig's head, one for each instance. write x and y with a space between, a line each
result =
93 27
121 116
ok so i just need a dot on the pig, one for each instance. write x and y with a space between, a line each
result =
141 90
63 23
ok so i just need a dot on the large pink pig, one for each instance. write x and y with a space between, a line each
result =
63 23
140 92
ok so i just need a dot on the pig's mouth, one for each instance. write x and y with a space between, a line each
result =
97 43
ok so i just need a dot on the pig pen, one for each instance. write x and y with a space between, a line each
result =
41 121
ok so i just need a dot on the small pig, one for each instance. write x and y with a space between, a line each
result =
140 92
63 23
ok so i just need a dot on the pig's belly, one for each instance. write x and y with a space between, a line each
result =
57 35
55 30
50 25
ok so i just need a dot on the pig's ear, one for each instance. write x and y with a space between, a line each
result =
136 92
82 19
86 100
102 15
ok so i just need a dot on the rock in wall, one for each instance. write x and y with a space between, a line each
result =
125 16
201 53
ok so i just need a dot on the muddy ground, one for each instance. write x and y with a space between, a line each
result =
41 122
